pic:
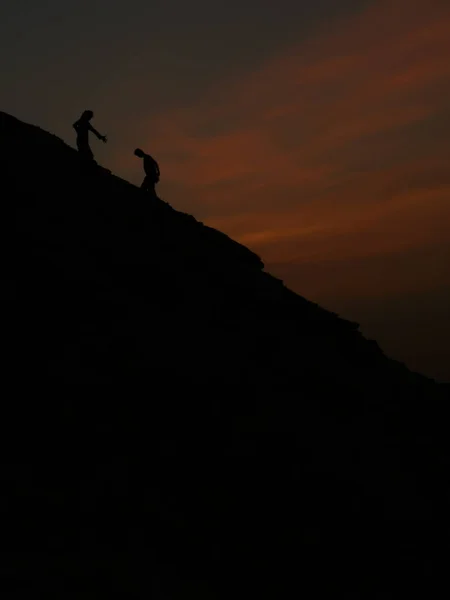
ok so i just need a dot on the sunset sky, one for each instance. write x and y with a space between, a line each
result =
316 132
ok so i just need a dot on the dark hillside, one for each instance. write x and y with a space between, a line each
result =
179 424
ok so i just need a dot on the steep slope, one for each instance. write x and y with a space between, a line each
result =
180 423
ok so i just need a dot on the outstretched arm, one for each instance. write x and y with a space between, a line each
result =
95 132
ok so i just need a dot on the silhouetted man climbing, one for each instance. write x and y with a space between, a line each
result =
83 127
151 169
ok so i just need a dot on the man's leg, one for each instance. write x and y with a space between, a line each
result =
85 152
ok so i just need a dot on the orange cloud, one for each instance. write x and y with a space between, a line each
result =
335 149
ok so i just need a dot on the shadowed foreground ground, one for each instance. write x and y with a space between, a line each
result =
178 424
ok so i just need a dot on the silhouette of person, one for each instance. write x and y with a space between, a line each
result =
151 169
83 127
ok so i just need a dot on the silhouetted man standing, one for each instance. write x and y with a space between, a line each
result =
83 127
151 169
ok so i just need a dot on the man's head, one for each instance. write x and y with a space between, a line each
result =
139 152
87 115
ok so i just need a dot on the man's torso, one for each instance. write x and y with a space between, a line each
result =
150 166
